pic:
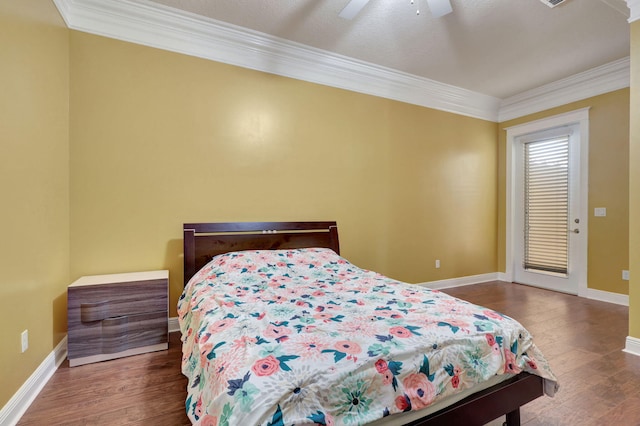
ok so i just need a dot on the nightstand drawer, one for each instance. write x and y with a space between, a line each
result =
98 302
118 334
110 316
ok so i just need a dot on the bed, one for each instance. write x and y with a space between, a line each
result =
278 329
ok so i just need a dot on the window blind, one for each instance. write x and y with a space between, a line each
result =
546 202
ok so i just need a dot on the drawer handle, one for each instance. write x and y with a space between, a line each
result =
97 311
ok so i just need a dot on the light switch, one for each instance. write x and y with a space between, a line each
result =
600 211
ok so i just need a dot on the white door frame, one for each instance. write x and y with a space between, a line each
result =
581 118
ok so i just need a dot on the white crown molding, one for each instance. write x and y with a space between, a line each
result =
596 81
22 399
619 5
634 7
162 27
158 26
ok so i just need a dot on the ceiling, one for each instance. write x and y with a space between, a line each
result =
499 48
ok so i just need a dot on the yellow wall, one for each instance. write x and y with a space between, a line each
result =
158 139
108 147
634 186
34 186
608 249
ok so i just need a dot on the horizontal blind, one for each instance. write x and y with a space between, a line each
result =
546 203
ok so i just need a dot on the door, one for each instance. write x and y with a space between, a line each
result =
549 224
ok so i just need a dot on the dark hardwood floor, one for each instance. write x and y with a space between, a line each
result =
146 389
583 340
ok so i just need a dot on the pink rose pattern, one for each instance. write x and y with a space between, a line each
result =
419 389
252 320
266 366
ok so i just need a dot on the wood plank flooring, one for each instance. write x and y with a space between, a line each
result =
146 389
583 340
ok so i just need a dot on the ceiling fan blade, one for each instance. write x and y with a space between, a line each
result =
439 7
353 8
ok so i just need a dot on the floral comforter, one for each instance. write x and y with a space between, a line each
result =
304 337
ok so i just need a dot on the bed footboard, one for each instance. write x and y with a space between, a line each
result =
485 406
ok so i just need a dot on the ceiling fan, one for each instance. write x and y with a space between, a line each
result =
438 8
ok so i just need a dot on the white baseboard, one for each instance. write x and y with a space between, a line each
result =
11 413
607 296
173 324
462 281
503 276
633 346
591 293
21 400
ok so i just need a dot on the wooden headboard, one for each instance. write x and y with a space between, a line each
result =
202 241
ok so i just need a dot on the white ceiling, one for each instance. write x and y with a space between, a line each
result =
495 47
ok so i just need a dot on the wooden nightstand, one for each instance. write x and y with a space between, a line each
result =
112 316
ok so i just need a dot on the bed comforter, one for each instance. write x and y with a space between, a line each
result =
304 337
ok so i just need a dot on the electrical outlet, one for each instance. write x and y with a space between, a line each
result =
625 275
437 263
24 338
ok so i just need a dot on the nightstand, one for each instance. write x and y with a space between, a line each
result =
117 315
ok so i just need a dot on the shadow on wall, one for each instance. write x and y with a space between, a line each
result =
174 262
59 322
